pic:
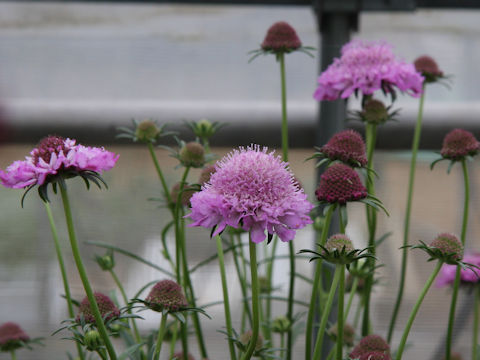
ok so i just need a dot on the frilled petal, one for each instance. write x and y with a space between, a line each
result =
18 175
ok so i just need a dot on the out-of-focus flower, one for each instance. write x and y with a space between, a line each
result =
253 189
180 356
348 333
281 37
166 295
458 144
467 275
12 336
428 67
107 308
368 345
366 67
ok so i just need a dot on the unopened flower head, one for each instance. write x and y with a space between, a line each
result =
92 339
166 295
147 131
348 333
186 195
448 245
467 275
12 336
281 325
458 144
206 174
253 189
339 242
375 112
108 310
369 344
346 146
192 154
366 67
56 156
340 184
428 67
247 336
281 37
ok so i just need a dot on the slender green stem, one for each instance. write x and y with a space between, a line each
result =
315 289
281 60
268 301
61 264
291 294
160 173
174 339
371 136
102 353
255 302
476 321
178 230
340 320
161 333
282 342
241 278
332 353
353 290
408 210
83 274
456 284
325 312
138 338
415 309
226 301
14 357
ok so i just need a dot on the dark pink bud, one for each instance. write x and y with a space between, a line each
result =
107 308
459 143
371 344
166 294
281 37
346 146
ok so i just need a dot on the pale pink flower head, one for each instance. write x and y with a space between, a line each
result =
56 156
366 67
254 189
467 276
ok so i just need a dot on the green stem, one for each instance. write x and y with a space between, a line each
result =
14 357
281 60
415 309
226 301
371 136
456 284
102 353
341 295
160 174
316 288
268 301
291 291
255 302
138 338
476 321
325 312
174 339
61 263
353 290
161 333
408 210
178 232
83 274
241 278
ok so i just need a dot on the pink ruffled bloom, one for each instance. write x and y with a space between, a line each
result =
367 67
53 156
253 189
447 272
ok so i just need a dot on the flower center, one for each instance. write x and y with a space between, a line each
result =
48 146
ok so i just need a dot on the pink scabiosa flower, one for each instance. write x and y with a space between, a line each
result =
346 146
368 345
459 144
253 189
12 336
366 67
470 275
108 309
54 160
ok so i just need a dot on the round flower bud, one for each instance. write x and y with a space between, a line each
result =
187 194
339 184
449 245
180 356
166 294
281 37
206 174
92 340
192 154
147 131
369 344
346 146
108 310
375 112
458 144
339 242
348 333
12 336
106 262
247 336
281 325
319 223
428 68
204 129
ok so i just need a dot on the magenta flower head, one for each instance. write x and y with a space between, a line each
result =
428 67
54 160
253 189
459 144
340 184
468 275
108 309
368 345
166 295
346 146
366 67
12 337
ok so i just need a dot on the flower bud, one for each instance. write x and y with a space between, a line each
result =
12 336
92 340
187 194
428 67
247 336
369 344
106 262
348 333
204 129
192 154
281 37
206 174
458 144
108 310
147 131
281 325
449 246
346 146
166 294
375 112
